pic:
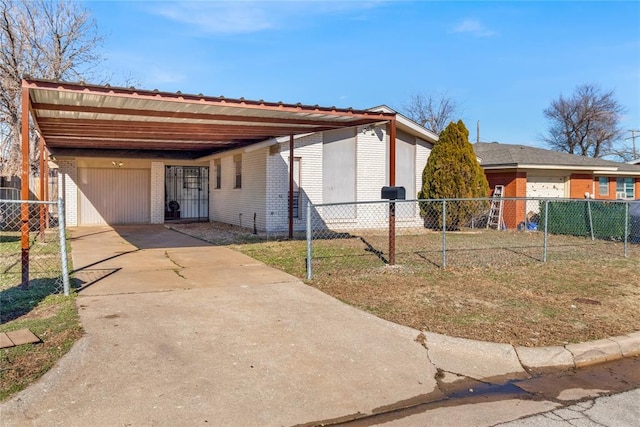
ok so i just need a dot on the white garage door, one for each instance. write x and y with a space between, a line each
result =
113 196
546 186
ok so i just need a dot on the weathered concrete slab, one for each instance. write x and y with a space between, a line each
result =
253 356
592 352
203 256
474 359
223 275
130 282
537 358
22 336
629 344
239 344
5 342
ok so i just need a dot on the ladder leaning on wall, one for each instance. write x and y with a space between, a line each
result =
494 219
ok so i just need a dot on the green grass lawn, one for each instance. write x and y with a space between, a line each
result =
40 308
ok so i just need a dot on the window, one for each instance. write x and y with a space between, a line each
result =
237 160
603 185
624 188
218 165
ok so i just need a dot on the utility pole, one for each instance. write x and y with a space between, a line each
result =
478 133
633 138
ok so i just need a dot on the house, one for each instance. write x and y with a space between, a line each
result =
535 172
131 156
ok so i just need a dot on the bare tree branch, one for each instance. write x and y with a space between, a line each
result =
432 112
587 123
45 39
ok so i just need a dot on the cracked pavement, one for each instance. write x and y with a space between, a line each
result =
230 341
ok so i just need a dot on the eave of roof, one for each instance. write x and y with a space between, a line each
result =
497 156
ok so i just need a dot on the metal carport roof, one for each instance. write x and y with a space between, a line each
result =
77 116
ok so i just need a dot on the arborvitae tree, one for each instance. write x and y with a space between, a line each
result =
452 172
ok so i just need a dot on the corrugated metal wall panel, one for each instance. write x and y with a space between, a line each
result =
114 196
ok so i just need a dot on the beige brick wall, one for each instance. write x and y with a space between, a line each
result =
68 189
239 205
309 150
157 193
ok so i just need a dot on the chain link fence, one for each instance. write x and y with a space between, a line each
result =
471 233
41 261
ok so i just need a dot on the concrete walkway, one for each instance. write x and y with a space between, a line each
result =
179 332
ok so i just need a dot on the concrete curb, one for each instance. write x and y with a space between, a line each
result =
474 358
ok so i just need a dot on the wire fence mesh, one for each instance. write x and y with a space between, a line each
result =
45 254
466 232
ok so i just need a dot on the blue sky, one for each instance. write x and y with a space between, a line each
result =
503 62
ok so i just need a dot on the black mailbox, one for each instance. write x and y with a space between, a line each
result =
393 193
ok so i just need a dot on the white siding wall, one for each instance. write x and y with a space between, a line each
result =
423 151
238 205
157 192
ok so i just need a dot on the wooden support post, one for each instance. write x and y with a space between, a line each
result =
392 183
291 160
24 193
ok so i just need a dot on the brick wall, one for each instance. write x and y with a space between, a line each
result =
239 205
515 185
157 193
309 150
68 189
580 184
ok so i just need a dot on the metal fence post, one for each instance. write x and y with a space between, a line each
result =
444 234
63 247
626 228
546 233
309 236
590 219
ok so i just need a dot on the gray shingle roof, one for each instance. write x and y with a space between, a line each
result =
496 154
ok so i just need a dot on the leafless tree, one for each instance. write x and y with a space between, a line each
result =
45 39
586 123
431 111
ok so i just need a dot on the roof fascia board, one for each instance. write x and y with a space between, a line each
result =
548 167
567 167
408 124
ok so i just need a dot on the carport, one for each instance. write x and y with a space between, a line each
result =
128 122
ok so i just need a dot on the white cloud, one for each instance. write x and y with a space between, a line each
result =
159 76
473 27
250 16
217 17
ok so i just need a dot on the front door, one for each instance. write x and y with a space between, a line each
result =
186 192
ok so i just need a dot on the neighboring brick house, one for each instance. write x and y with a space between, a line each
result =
535 172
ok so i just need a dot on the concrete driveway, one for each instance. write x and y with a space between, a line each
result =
179 332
